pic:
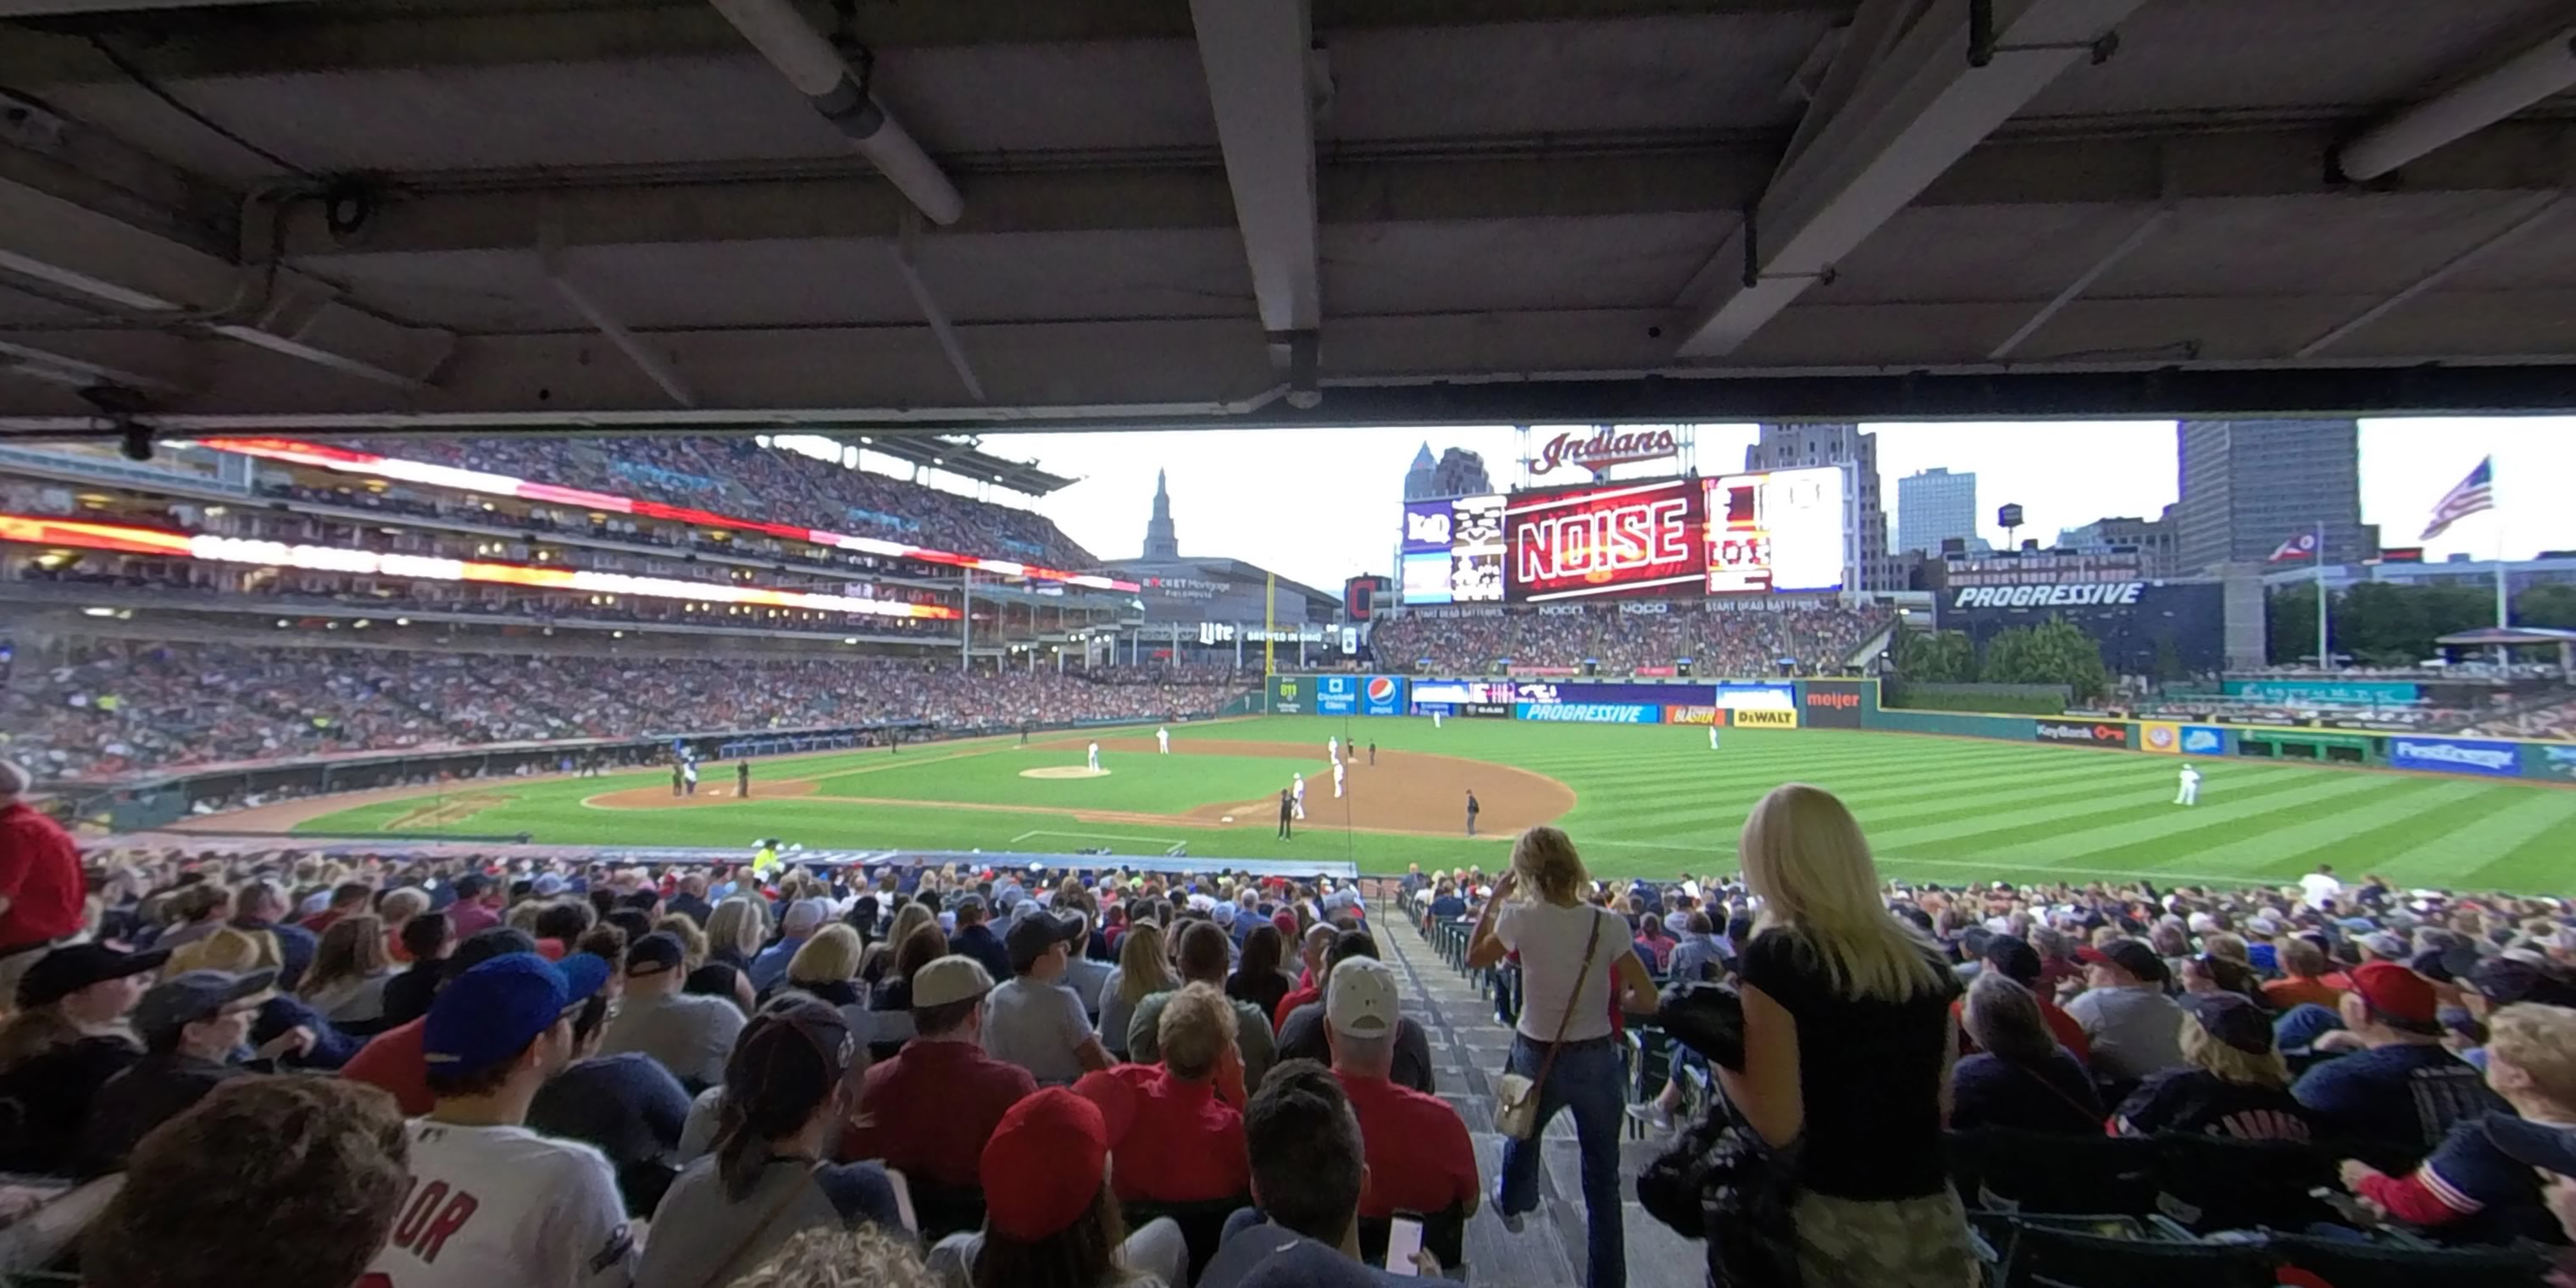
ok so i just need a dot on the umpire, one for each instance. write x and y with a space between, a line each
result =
1285 808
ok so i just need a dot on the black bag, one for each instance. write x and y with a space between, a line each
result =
1707 1018
1721 1182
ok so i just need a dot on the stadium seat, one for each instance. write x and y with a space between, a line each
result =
2372 1265
944 1210
2044 1256
2035 1172
1202 1224
2211 1183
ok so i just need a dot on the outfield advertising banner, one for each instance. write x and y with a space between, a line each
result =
2202 740
1486 710
2160 736
1757 718
1695 715
1337 695
2456 756
1590 712
2555 762
1287 695
1382 695
2088 733
1833 704
2335 693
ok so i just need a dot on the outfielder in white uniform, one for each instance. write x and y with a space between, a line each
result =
1333 749
1095 757
1435 719
1338 770
1163 739
1712 737
2190 793
1297 795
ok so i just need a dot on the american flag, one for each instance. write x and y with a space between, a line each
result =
2301 546
2475 493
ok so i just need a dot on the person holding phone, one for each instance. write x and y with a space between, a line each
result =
1308 1171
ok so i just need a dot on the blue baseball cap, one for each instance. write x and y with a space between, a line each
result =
492 1012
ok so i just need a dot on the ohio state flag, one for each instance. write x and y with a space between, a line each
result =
2300 546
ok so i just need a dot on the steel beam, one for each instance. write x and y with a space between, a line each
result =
1918 111
1256 53
2519 81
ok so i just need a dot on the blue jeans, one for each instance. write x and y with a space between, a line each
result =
1587 1081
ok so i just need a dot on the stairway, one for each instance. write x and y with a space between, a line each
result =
1467 1050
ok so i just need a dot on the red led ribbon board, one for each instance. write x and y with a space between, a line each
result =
1625 539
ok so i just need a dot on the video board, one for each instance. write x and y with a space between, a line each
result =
1624 539
1777 531
1452 551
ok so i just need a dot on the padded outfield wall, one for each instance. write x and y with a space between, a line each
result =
1854 704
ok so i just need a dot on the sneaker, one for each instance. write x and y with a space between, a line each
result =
1653 1114
1512 1221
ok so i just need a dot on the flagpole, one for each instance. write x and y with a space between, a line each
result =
2504 611
2325 660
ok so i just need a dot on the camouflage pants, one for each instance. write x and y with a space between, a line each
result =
1908 1243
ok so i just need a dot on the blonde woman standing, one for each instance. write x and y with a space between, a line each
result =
1575 958
1848 1039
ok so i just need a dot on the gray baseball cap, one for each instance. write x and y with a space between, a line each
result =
191 996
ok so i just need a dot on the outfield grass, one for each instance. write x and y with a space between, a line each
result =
1650 800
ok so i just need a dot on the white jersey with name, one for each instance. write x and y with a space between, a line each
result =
503 1207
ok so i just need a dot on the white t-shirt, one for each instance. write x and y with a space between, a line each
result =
2320 887
1550 941
503 1207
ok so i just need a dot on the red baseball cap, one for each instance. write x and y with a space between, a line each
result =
1286 921
2396 992
1045 1164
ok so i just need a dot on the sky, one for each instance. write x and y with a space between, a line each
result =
1317 506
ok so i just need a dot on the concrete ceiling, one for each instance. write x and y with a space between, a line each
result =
503 214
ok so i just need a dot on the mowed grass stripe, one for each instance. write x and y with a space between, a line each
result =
2119 807
2514 840
2289 846
1878 807
2181 831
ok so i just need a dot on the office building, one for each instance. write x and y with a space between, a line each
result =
1789 447
1457 472
2153 539
1933 506
1160 540
2249 485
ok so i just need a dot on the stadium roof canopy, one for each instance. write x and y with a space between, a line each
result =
966 457
2491 636
989 214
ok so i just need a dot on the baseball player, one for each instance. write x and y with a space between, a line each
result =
1338 770
1435 719
1095 757
1333 749
2190 793
1163 739
689 775
742 779
1297 794
1712 737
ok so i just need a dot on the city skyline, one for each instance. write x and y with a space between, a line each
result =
1321 505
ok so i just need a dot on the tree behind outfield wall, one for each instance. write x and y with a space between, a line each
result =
2053 652
2387 624
1937 657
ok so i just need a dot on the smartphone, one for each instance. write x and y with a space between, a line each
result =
903 1200
1403 1239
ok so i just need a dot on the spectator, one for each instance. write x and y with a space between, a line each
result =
193 1026
691 901
627 1106
350 971
261 908
394 1059
43 896
2474 1188
1083 975
348 899
802 918
1303 1036
2549 1150
823 1257
1204 955
493 1204
827 970
1310 983
299 1177
1031 1022
2021 1076
1699 954
68 1036
477 907
1143 970
692 1035
1257 979
1651 942
1576 963
2402 1091
2133 1027
930 1110
2015 959
1309 1173
1419 1157
733 937
977 940
2233 1081
1051 1219
891 1002
429 939
1173 1116
789 1086
197 913
1846 1029
2303 965
305 1038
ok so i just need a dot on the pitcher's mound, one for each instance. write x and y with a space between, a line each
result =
1064 771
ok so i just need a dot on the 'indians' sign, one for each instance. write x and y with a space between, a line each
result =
1607 446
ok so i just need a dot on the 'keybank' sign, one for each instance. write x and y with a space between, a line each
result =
2061 595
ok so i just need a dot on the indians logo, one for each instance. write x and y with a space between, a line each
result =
1381 689
1604 448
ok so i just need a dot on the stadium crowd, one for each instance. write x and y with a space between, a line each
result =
118 708
739 477
1716 642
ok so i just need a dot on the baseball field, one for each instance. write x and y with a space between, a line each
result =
1638 800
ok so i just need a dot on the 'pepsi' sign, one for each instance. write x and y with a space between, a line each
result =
1382 695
